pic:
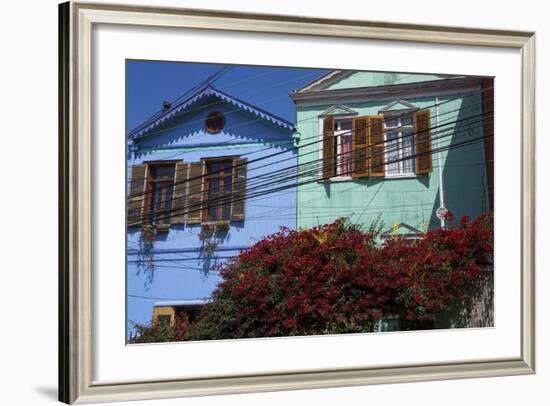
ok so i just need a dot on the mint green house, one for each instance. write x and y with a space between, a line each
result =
409 151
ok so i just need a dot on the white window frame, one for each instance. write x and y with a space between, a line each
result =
336 119
397 115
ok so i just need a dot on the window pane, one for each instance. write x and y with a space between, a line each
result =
408 152
227 193
161 178
390 122
168 195
155 201
228 167
214 167
344 155
213 199
220 182
392 153
343 125
162 172
407 120
220 168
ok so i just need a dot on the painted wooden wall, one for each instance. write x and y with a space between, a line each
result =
182 269
412 200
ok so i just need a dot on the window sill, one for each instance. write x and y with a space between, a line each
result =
348 178
404 176
220 225
162 228
337 179
158 228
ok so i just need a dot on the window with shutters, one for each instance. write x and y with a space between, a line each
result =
160 190
218 190
400 141
337 144
342 138
177 192
392 144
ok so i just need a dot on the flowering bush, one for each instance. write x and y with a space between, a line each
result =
335 279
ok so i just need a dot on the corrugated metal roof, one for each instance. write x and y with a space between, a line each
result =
193 302
207 91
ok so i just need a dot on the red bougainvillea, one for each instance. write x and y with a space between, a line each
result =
335 278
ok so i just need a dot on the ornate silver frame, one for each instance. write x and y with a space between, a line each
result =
75 271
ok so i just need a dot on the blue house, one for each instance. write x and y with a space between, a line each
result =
207 178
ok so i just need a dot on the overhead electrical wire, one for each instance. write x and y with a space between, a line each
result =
466 95
290 179
317 138
237 110
469 120
138 128
224 201
317 141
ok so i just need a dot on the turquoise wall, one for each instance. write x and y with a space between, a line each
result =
412 200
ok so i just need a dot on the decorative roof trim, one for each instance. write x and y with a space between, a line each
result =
331 111
413 230
325 80
207 91
371 93
409 106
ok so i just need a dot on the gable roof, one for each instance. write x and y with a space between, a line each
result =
325 80
398 228
338 109
399 105
203 93
333 77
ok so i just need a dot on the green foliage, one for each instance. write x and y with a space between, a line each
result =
158 332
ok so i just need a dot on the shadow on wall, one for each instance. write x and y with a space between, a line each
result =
464 170
212 238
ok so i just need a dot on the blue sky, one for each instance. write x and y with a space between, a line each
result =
149 83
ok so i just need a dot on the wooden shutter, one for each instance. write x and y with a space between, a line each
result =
181 175
360 160
377 146
423 142
136 194
328 148
239 189
194 193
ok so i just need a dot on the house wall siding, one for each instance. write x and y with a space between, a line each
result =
411 200
362 79
182 269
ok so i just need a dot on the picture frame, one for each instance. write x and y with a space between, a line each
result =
76 214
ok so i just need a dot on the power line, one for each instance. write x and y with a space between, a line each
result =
350 132
203 84
259 119
469 108
225 201
466 95
219 73
279 172
213 104
202 204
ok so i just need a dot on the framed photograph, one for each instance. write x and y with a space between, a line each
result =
262 202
